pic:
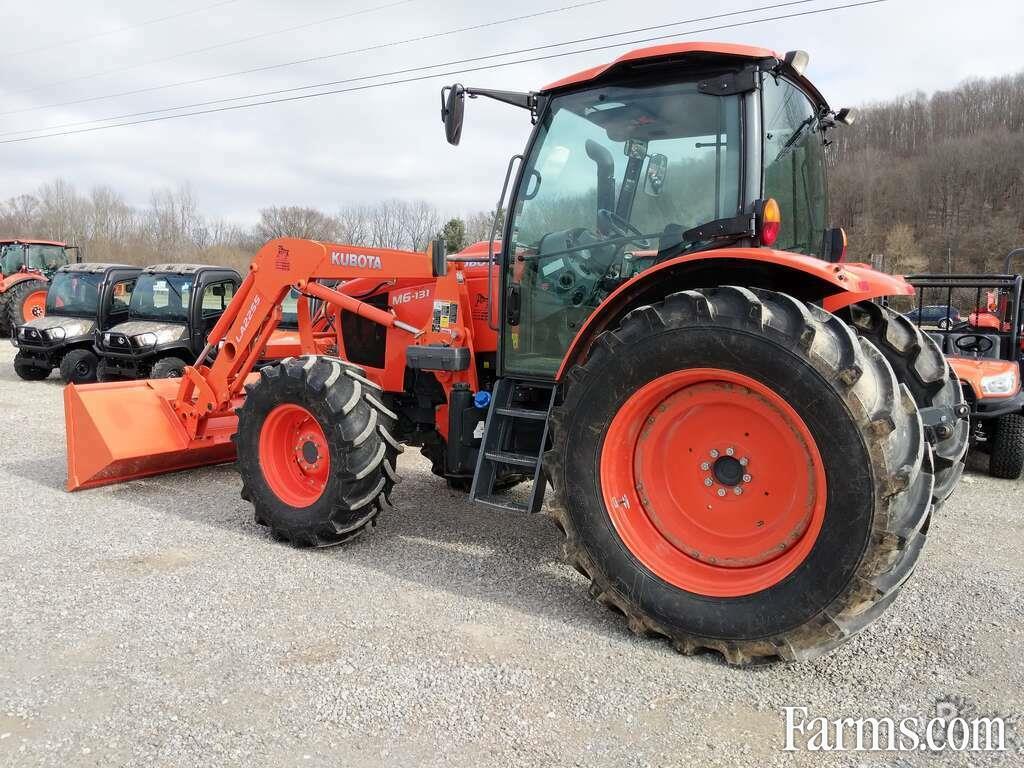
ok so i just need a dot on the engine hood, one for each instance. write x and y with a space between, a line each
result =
72 326
165 332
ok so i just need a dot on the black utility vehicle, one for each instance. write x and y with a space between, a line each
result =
173 309
82 299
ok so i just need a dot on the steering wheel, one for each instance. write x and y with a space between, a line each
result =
610 220
974 343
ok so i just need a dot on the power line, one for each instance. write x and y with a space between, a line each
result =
218 46
126 28
420 68
348 52
451 73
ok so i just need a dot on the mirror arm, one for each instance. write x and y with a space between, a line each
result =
515 98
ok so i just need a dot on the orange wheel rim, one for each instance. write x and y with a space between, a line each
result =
294 455
713 482
34 306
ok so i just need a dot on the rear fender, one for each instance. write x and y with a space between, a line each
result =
10 281
833 286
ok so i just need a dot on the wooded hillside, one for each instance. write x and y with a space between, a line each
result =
921 178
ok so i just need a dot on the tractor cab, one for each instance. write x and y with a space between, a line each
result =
172 310
639 163
82 298
25 268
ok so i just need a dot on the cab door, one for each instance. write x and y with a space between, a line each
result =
211 300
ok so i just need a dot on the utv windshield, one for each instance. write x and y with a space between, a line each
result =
615 177
74 293
164 298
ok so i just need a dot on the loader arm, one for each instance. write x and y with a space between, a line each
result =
241 335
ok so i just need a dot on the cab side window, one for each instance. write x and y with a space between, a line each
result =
216 298
121 296
794 166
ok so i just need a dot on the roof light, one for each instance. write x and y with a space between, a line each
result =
798 61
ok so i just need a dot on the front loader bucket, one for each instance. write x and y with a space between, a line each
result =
128 429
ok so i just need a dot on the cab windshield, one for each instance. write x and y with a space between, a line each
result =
164 298
74 293
614 179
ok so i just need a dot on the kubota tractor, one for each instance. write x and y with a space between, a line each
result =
25 269
743 450
172 309
83 299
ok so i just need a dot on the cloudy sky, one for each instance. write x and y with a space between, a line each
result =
388 141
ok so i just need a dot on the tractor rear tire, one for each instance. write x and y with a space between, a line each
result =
918 362
25 301
315 450
79 366
28 370
723 389
1007 457
168 368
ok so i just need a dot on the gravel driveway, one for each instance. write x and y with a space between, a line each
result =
155 624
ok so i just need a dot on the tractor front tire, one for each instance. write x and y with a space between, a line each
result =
28 370
168 368
734 470
25 301
79 366
315 450
918 362
1007 458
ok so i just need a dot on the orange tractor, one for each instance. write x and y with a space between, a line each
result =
743 450
25 270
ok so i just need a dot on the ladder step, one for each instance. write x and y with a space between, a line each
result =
502 502
521 413
518 459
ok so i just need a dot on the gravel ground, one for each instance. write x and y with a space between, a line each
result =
154 623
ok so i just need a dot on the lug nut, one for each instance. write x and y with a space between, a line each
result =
721 491
746 478
705 466
737 490
707 481
744 461
714 453
729 451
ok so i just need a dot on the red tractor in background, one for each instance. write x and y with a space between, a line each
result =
25 270
744 451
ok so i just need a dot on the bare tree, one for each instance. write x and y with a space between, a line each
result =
295 221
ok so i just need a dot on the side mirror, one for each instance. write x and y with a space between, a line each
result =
834 246
453 106
657 171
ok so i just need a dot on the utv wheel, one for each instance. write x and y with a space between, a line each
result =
1007 459
27 301
168 368
79 366
315 450
28 370
761 485
918 362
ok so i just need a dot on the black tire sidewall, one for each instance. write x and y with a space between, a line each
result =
258 405
829 566
69 365
163 367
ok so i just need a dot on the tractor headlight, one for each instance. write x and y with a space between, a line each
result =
55 334
1000 384
145 340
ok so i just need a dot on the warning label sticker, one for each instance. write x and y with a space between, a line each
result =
445 316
